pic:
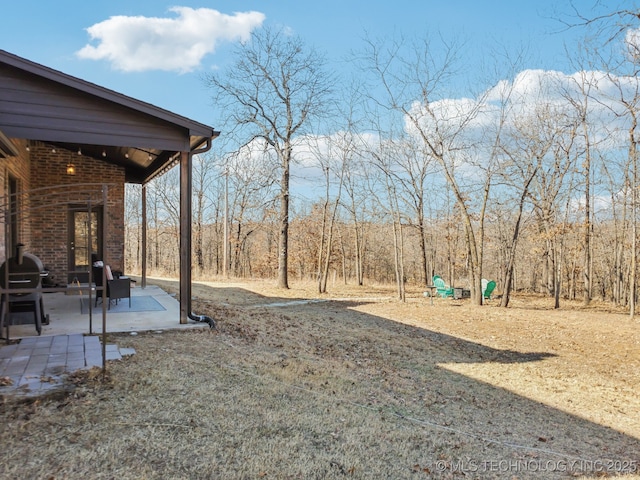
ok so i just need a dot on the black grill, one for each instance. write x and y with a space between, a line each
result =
22 271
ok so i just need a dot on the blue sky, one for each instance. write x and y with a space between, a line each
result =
53 34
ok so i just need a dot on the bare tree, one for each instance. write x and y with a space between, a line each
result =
272 93
581 95
552 184
618 91
162 202
249 182
612 36
617 177
355 204
384 157
133 228
628 90
528 142
333 153
413 84
414 168
604 23
204 170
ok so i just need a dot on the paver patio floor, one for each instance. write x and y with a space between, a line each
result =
38 365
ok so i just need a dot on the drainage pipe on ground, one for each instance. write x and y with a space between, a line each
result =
193 316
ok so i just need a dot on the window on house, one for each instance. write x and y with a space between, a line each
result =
14 219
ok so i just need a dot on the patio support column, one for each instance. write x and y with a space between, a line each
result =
143 282
185 236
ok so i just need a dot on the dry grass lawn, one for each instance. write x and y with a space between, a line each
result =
353 384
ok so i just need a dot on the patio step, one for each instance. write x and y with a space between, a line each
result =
38 365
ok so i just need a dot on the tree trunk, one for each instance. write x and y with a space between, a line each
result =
557 273
586 268
358 252
423 251
322 281
398 259
634 251
283 241
508 278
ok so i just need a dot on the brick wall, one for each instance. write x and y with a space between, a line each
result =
16 168
50 207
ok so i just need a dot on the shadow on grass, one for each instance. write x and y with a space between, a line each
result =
402 363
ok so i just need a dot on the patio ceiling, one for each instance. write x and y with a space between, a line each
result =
42 104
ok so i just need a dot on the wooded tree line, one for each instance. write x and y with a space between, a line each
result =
531 180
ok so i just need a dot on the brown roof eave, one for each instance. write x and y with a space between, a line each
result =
167 160
195 128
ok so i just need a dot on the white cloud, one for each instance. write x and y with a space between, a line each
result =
465 129
466 121
447 117
632 41
136 44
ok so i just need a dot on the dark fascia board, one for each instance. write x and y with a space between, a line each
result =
195 128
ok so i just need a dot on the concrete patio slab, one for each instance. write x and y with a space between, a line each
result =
37 365
66 317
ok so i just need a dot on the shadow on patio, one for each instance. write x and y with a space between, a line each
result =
151 309
32 365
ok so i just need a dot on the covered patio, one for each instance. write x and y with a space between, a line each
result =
67 148
34 365
152 309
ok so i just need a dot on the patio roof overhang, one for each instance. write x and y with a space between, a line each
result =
42 104
38 103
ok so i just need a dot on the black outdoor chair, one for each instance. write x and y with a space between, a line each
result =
117 288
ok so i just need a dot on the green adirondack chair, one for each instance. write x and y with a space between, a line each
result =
488 289
442 288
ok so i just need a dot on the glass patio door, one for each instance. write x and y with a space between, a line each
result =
85 235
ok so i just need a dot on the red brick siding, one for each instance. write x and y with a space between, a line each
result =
50 215
18 168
